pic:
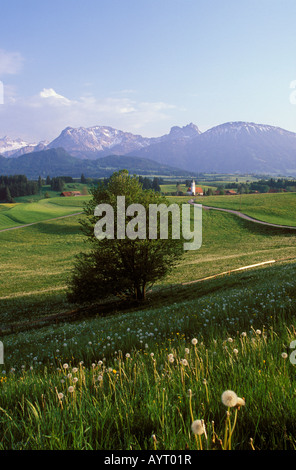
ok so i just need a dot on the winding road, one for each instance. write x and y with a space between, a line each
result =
246 217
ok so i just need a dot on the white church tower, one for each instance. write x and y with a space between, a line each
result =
193 187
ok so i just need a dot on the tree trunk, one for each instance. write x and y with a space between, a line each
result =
140 292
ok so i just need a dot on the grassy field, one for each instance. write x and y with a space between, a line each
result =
172 188
12 215
277 208
36 261
115 381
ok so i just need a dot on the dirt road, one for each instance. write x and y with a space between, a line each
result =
39 222
247 217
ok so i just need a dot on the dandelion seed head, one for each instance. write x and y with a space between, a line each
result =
240 402
229 398
198 427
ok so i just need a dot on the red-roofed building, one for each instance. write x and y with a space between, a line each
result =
194 191
70 193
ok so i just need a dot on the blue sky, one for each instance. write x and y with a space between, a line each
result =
144 66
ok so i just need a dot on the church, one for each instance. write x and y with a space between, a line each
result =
194 190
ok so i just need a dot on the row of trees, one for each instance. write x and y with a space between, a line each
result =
17 186
263 185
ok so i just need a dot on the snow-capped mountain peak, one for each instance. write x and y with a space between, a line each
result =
7 144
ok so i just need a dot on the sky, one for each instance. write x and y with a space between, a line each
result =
144 66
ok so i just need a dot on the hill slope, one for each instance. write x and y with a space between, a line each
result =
57 162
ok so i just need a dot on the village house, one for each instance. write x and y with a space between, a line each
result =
70 193
230 191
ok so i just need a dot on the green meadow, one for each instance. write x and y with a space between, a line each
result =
12 215
276 208
137 378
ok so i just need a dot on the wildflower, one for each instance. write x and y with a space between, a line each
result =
74 370
258 332
186 350
194 341
235 351
65 366
75 379
230 340
184 362
198 427
284 355
230 399
71 389
240 402
60 395
244 334
127 355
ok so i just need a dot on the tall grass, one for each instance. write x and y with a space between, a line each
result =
139 380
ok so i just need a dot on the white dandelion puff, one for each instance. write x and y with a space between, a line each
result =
198 427
229 398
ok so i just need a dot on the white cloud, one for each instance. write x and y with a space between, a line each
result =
10 62
55 98
45 115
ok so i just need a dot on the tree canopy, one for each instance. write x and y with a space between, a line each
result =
124 267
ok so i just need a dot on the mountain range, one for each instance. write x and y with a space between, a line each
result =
241 147
58 162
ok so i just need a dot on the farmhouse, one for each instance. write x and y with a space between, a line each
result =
70 193
230 191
